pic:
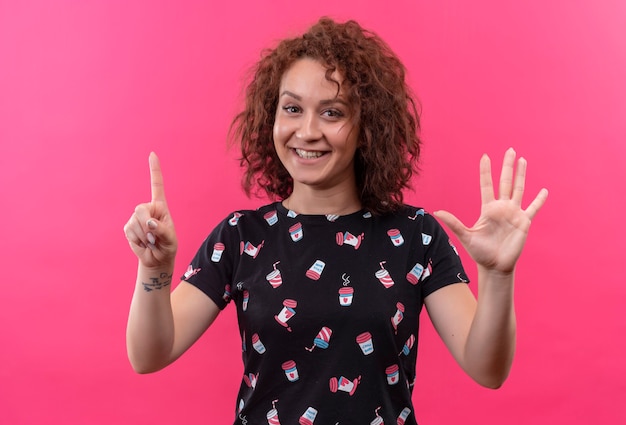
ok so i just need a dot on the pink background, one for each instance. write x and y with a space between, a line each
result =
89 88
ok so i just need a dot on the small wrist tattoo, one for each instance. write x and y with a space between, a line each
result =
163 281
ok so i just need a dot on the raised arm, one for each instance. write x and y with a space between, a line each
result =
160 326
481 333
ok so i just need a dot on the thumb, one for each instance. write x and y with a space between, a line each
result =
158 231
156 226
453 223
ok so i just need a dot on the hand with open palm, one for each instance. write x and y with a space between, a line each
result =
496 240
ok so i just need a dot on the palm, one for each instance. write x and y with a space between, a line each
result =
497 238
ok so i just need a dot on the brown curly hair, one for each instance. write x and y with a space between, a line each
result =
383 108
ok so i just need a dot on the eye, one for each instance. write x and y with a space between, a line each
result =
291 109
333 113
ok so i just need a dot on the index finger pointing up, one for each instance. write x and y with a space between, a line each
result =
156 178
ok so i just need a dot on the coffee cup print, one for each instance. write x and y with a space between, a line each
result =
257 344
291 372
344 384
218 249
348 238
419 212
250 249
427 270
365 342
403 416
346 294
414 275
308 417
272 415
322 339
286 313
315 271
191 271
271 217
274 277
234 219
227 293
377 421
397 318
383 276
396 237
251 379
295 232
408 345
393 375
426 239
246 298
332 217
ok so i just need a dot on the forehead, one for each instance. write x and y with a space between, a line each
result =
307 77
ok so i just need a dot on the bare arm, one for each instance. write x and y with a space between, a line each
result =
161 326
481 333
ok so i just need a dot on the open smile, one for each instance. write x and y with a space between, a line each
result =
308 154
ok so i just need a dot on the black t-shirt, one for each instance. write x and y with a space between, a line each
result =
328 309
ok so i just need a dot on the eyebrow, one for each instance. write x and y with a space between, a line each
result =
322 102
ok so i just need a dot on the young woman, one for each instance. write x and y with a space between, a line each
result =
329 280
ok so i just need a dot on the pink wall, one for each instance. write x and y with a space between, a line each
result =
87 89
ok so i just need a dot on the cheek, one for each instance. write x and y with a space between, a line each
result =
279 132
279 140
350 137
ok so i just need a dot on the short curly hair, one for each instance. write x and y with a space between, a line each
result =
384 107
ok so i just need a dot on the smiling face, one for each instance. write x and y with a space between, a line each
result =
314 136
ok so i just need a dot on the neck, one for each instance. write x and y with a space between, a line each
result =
312 202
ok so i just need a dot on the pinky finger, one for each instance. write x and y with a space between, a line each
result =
537 203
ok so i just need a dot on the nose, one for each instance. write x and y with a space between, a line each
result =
309 128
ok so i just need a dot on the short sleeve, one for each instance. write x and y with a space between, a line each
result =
443 264
212 268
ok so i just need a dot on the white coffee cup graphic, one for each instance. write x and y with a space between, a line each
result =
365 342
218 249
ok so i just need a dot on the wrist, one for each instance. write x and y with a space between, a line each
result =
154 278
155 269
495 273
495 281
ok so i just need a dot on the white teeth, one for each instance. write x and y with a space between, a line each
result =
308 154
